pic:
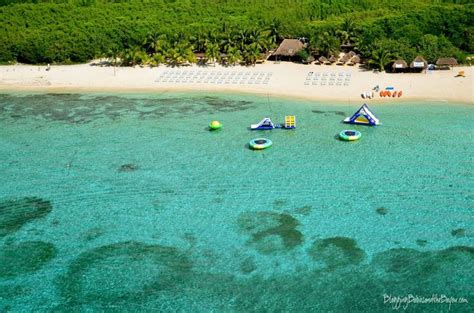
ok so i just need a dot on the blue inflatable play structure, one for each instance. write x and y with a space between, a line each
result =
363 116
266 124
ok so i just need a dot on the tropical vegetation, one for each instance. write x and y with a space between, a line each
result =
154 32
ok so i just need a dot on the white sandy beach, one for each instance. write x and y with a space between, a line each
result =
319 82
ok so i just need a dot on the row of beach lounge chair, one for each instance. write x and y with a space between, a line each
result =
215 77
328 78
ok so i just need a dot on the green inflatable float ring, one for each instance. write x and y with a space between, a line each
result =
260 143
350 135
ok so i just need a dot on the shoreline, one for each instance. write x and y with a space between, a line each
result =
333 83
101 91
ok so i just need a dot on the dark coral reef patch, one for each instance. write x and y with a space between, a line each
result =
14 213
129 167
78 109
25 258
271 232
126 272
337 251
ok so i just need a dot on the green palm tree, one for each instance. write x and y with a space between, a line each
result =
199 41
347 31
260 39
188 51
177 38
180 54
328 43
151 42
114 54
380 58
132 56
241 39
227 41
313 44
233 55
274 33
157 59
212 52
211 37
252 54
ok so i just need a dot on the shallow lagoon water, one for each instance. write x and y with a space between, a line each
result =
128 202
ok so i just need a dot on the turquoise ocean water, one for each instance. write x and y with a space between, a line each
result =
128 203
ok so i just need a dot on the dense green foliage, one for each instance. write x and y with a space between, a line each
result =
158 31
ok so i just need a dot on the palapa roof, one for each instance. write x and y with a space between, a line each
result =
417 61
447 61
289 47
332 59
355 59
345 58
400 63
323 59
309 59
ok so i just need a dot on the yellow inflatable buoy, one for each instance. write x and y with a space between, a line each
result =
215 125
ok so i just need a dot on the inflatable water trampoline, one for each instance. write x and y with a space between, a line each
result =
350 135
260 143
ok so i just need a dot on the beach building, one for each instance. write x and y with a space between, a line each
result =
418 64
399 65
288 49
446 63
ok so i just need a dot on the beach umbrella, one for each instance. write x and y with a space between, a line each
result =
354 60
323 60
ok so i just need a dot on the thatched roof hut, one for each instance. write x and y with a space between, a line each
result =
308 60
332 59
289 48
354 60
399 64
345 58
419 63
446 62
323 60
